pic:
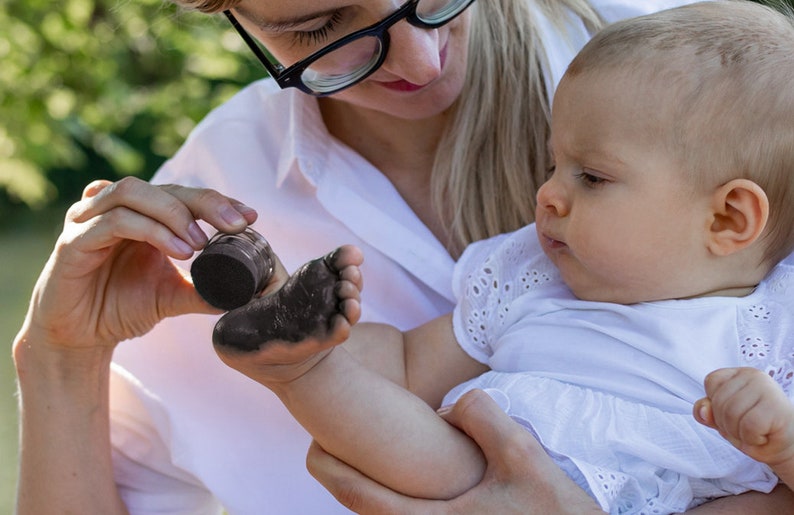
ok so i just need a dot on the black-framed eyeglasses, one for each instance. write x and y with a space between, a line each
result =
354 57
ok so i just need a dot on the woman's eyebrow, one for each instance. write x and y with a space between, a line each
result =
285 24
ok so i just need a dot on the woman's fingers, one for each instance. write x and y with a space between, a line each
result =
93 188
359 493
224 213
120 223
476 414
109 277
521 477
173 207
119 210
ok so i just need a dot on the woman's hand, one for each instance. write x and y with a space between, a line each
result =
110 277
520 477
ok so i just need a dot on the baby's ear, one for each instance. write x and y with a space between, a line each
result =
740 211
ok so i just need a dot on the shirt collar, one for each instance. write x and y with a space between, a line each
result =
307 142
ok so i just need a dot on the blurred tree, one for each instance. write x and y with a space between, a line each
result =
104 88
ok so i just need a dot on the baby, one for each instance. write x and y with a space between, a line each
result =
658 256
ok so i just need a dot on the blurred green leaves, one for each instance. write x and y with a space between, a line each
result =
104 88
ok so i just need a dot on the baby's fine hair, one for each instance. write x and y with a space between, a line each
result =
728 70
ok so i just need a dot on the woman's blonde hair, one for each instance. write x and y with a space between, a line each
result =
493 157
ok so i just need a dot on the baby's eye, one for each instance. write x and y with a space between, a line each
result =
318 36
590 180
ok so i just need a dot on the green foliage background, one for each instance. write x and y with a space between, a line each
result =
102 89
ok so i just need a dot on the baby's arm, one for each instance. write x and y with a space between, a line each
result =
751 411
352 411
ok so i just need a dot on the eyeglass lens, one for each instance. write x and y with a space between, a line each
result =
357 58
434 12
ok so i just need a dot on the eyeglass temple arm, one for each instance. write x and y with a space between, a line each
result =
264 59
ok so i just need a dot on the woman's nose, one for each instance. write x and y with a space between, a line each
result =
414 53
551 198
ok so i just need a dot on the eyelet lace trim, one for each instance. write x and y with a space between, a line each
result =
759 330
500 279
763 328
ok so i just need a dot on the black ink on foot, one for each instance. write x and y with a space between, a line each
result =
232 269
302 308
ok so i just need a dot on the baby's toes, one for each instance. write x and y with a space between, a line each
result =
350 309
353 275
339 328
344 256
347 290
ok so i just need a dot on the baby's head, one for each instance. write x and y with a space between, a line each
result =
702 94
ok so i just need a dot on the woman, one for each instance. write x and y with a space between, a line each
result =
419 157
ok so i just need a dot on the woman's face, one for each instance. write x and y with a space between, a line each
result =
424 69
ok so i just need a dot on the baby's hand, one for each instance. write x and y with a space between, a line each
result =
281 335
751 411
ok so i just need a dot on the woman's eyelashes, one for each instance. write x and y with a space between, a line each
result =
318 36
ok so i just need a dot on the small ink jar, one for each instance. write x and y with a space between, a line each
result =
232 269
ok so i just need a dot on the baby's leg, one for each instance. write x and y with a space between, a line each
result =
319 303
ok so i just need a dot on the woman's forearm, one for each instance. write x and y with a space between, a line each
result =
382 429
65 455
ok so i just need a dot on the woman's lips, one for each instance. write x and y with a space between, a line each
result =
402 85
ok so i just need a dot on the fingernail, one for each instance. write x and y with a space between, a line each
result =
243 209
232 217
443 410
180 246
197 236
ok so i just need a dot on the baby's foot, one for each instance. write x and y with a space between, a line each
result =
320 302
